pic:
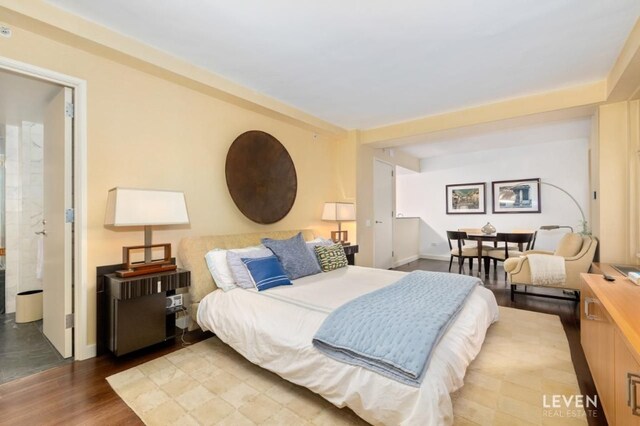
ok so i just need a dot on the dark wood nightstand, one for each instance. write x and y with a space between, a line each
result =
136 312
350 250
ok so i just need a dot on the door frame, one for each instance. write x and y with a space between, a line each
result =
81 350
393 209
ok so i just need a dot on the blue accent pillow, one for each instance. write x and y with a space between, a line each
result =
266 272
294 255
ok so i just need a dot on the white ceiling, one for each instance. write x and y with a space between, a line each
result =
23 98
482 140
363 64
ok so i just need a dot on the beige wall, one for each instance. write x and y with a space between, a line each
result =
344 165
145 131
594 176
365 157
617 207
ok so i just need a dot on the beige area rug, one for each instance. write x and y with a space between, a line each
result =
524 362
525 357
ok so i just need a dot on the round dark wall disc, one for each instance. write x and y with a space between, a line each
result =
261 177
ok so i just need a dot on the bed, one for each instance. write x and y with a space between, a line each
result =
274 329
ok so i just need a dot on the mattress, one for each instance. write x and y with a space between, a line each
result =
274 329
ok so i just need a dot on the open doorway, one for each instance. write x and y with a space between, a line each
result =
36 225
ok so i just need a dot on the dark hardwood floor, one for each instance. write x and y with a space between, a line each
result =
77 393
566 310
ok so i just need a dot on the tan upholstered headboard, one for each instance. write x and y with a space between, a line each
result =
191 252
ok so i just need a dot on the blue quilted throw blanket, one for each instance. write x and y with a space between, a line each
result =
393 331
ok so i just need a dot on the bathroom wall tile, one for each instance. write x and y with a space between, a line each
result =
10 220
12 138
32 201
13 205
11 192
23 206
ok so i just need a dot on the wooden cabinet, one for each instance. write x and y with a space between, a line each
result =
627 383
610 337
137 315
350 251
597 337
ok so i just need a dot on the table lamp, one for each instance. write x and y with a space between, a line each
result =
145 207
339 212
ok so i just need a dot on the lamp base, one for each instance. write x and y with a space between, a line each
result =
132 269
339 236
145 269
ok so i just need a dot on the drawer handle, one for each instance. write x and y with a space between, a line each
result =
587 302
632 400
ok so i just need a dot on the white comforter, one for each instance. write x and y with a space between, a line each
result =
274 328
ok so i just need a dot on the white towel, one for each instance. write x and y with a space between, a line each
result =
546 269
40 258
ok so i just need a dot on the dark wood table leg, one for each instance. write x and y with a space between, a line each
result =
486 268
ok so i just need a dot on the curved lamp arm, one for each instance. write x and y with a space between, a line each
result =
584 219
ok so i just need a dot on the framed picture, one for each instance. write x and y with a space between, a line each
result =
516 196
466 198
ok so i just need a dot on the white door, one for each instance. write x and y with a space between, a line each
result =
383 214
57 270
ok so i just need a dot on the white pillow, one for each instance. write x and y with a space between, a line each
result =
241 276
320 240
219 269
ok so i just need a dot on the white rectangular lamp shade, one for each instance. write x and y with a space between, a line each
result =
339 212
143 207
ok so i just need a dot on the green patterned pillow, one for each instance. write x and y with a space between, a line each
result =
331 257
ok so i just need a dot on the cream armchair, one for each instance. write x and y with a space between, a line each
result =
578 251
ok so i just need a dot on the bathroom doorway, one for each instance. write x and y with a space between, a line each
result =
36 225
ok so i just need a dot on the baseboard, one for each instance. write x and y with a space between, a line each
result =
406 260
435 256
89 351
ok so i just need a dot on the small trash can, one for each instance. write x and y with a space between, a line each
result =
29 306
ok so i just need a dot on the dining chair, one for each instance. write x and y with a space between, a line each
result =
533 232
456 241
514 246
